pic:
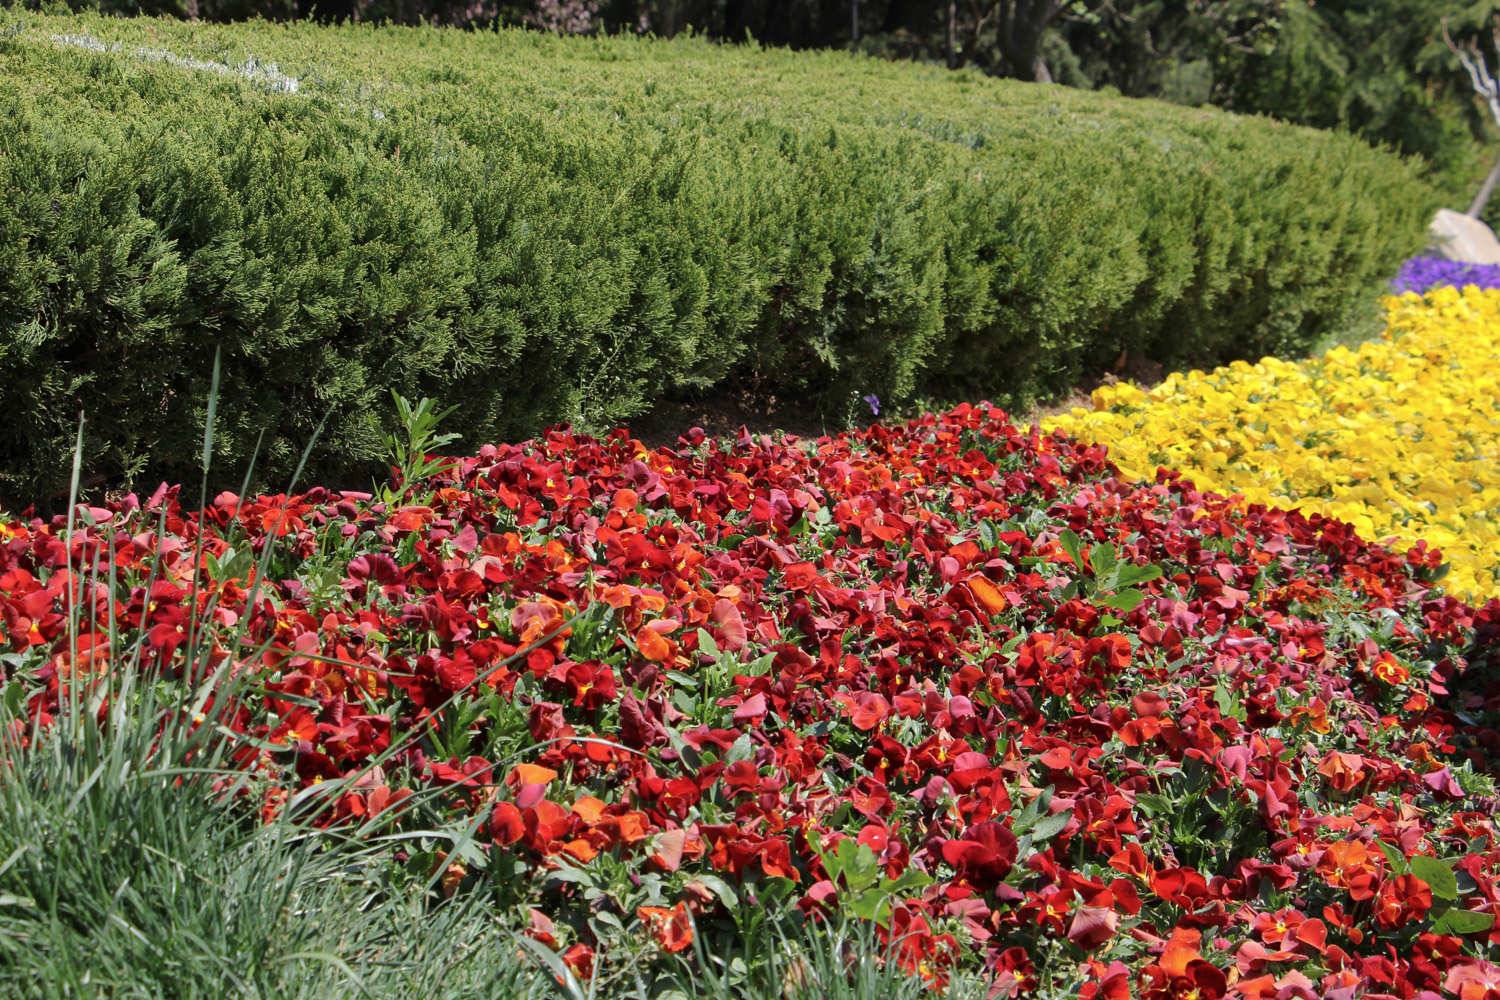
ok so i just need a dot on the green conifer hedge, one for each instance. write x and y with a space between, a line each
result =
537 229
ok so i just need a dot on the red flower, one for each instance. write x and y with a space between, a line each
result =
906 579
592 685
580 958
984 855
1402 900
866 709
1092 926
751 711
506 823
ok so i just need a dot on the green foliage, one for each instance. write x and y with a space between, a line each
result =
411 447
1377 69
1108 578
864 890
537 229
1162 48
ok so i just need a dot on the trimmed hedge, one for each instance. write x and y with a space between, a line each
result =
537 228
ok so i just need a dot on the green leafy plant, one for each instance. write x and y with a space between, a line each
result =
865 891
1105 577
412 444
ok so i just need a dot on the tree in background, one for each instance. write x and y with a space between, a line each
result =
1475 60
1375 67
1012 31
1167 48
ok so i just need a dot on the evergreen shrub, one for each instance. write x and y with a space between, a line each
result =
537 229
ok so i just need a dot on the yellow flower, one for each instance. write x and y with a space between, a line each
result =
1399 436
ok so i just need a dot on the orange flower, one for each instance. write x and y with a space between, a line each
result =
672 928
1390 670
1344 771
1350 865
987 594
530 774
1313 715
403 519
589 809
652 645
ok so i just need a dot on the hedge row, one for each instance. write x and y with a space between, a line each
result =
537 229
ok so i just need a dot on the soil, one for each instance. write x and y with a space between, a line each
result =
724 411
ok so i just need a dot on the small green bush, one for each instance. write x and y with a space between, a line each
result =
537 229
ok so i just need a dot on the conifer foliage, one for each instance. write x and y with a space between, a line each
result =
537 229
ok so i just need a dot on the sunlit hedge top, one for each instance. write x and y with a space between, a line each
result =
537 228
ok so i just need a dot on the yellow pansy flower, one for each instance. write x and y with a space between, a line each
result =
1399 436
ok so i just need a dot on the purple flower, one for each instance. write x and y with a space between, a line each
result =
1423 273
873 402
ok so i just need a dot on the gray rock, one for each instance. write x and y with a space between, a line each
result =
1456 236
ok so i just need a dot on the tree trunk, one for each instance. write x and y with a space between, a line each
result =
952 39
854 20
1476 208
1021 26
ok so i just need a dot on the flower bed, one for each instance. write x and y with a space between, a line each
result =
1400 437
950 677
1421 274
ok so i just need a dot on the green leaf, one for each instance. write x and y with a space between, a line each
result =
1229 706
911 879
1050 826
15 697
1027 816
740 749
707 645
1073 546
1125 600
1438 875
1457 921
861 871
1131 574
722 889
1154 805
1105 562
760 665
867 905
1393 857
